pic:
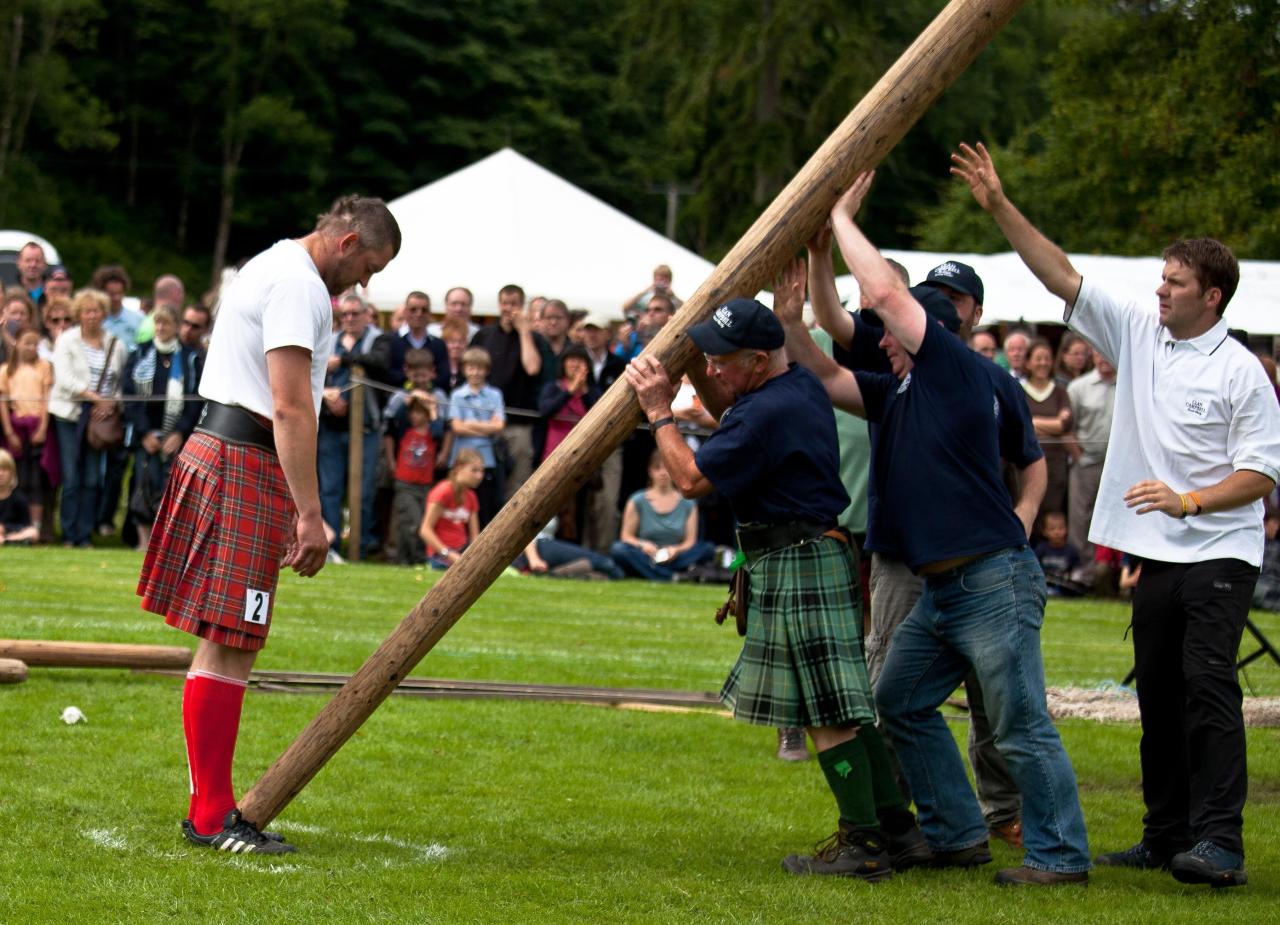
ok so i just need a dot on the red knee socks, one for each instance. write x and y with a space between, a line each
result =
211 720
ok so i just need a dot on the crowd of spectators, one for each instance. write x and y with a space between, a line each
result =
448 403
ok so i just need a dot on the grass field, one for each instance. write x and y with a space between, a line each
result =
492 811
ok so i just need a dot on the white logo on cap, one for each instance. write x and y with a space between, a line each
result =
945 269
723 317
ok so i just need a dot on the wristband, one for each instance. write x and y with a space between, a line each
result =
1195 496
1183 499
661 422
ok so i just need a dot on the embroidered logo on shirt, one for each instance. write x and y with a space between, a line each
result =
723 317
1196 407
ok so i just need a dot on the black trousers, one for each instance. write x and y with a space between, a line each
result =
1187 624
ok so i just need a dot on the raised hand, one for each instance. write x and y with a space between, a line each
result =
850 200
788 293
819 245
975 167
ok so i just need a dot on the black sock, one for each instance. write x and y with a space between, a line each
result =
891 806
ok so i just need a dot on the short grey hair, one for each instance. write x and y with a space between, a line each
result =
368 217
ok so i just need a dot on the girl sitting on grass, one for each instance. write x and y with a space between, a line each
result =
452 519
16 525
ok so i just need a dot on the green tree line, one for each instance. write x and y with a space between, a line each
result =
181 135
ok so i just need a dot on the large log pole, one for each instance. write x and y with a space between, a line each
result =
931 64
52 654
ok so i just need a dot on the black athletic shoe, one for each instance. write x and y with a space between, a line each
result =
847 853
1209 863
1140 856
238 837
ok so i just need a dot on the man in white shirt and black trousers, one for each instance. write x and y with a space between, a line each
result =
1195 446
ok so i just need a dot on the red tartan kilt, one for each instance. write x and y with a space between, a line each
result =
214 558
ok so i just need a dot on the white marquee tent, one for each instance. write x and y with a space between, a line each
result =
504 220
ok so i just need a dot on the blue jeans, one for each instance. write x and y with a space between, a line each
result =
558 552
331 464
633 561
82 471
986 615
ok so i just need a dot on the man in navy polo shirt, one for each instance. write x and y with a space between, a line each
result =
894 587
775 457
937 466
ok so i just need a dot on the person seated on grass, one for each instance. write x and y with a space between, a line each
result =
659 536
546 555
16 525
452 521
1059 560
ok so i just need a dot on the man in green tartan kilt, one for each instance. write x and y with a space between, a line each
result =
775 457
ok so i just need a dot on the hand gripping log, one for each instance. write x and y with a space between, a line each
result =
926 68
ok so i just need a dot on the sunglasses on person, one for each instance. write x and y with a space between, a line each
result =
57 320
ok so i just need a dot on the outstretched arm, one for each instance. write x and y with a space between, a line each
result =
882 287
1044 258
828 311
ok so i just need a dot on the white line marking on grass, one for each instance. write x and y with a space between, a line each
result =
106 838
424 854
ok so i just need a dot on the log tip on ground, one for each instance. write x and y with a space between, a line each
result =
12 671
61 654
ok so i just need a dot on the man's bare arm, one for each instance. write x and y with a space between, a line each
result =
1238 489
788 306
1032 480
824 298
1045 259
294 421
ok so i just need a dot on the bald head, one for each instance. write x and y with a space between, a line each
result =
168 289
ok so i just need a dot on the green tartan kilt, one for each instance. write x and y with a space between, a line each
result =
801 662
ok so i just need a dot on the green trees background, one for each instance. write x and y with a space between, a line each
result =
183 134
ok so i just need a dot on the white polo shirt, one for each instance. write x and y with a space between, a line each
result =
277 300
1188 413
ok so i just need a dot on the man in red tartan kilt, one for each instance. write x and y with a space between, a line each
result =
242 500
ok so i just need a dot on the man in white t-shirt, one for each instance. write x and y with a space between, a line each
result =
242 500
1195 446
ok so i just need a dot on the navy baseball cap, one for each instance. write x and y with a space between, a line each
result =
959 276
936 305
739 324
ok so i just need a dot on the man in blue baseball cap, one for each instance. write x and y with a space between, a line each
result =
960 283
775 457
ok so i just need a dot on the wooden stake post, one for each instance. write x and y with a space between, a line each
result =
885 114
355 465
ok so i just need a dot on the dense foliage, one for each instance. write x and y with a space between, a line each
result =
182 134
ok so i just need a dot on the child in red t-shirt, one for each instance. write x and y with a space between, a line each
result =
452 519
414 472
